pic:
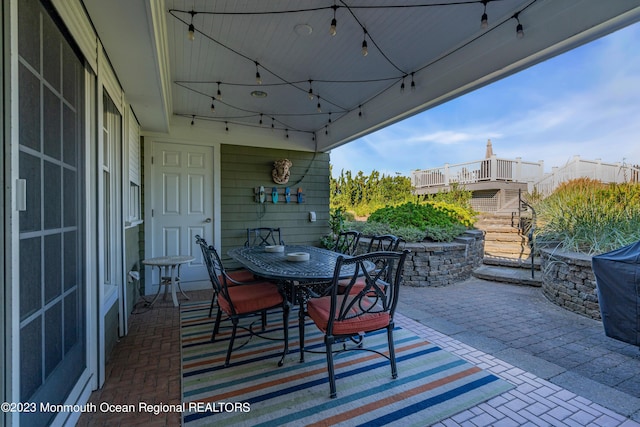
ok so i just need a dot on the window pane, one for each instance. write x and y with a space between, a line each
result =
30 276
29 27
30 358
52 196
70 198
70 136
72 268
51 124
30 171
29 106
53 338
52 267
51 54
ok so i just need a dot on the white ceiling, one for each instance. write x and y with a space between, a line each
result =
439 44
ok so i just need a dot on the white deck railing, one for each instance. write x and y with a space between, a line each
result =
491 169
494 169
594 169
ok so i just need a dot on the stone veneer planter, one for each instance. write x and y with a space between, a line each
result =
441 264
568 281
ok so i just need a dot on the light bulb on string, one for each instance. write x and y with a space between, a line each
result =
413 84
193 120
213 107
286 133
326 130
260 119
334 23
226 126
219 93
273 126
329 116
191 33
258 78
402 85
310 90
365 50
359 110
319 107
519 28
484 21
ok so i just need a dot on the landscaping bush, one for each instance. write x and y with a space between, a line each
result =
438 221
587 216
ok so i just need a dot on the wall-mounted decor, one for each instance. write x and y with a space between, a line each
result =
264 196
280 172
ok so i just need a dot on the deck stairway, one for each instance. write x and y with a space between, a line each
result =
507 251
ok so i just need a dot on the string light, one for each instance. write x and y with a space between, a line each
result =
193 120
226 126
519 29
310 92
365 50
258 78
273 126
326 129
484 21
334 23
191 33
286 133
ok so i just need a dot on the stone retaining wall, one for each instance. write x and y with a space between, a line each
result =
568 281
441 264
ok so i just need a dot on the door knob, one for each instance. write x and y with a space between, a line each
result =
208 220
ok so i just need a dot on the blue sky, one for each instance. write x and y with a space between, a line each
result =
585 102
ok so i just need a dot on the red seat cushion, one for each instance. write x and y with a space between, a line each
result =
318 309
241 276
251 298
355 289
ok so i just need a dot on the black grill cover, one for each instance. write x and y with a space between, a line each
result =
618 282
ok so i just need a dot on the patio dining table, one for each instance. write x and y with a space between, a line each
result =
276 266
297 277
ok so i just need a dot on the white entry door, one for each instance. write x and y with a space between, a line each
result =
182 204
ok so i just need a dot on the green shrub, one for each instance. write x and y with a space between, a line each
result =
439 221
587 216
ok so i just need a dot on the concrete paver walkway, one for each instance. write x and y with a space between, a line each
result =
519 326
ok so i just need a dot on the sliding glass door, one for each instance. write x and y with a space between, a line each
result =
52 289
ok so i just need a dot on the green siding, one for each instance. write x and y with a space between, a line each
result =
245 168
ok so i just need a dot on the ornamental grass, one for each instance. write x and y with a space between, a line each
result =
590 217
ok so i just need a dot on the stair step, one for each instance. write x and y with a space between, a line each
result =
522 262
516 276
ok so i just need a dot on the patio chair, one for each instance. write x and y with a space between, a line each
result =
242 300
385 242
344 316
347 242
263 236
233 277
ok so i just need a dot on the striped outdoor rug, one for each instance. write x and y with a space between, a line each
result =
432 384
